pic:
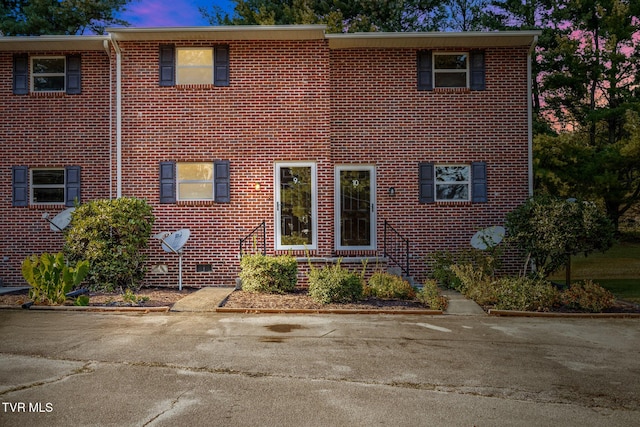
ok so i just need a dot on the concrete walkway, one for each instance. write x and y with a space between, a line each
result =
460 305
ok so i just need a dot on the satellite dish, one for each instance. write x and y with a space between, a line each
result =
60 221
174 242
488 238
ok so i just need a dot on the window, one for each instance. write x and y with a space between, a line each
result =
48 74
296 211
45 185
42 74
189 181
451 70
195 181
194 66
458 183
452 183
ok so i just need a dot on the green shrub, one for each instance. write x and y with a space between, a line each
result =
112 235
441 270
430 295
475 283
274 275
526 294
334 284
389 286
587 296
50 277
441 262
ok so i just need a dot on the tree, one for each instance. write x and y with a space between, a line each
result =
338 15
549 230
466 15
66 17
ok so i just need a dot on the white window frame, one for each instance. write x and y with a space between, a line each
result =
314 206
33 186
180 66
450 70
35 75
373 211
467 182
195 181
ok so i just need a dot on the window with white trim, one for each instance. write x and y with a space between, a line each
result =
194 65
195 181
47 186
452 182
48 73
450 70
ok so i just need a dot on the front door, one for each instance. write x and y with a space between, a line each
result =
355 208
296 222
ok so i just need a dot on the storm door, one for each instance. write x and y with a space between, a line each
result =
355 208
296 212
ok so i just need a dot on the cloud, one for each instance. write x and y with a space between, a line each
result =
174 13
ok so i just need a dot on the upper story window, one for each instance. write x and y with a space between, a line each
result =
47 74
451 70
194 66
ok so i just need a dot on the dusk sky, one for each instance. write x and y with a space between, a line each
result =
173 13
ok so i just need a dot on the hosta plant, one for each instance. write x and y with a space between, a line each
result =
51 278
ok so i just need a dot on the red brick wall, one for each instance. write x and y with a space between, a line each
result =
39 130
287 101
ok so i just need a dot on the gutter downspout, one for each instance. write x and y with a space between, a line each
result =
107 49
530 116
118 118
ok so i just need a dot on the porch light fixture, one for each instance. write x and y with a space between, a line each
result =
392 191
257 186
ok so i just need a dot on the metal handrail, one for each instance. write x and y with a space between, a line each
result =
399 245
243 240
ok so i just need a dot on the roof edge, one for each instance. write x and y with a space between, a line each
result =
61 42
229 32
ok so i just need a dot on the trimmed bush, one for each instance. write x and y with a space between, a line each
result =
112 235
526 294
587 296
334 284
430 295
389 286
272 275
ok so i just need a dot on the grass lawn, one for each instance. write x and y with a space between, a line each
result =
618 270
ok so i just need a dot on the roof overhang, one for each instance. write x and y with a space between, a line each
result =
44 43
232 32
470 39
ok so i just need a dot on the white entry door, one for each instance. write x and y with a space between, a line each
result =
355 189
296 211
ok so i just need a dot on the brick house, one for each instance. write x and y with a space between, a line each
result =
335 144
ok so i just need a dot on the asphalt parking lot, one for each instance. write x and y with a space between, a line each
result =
157 369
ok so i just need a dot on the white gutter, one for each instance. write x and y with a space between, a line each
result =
118 118
530 116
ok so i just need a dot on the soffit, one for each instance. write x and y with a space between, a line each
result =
432 40
235 32
44 43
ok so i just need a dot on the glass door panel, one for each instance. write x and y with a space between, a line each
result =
295 206
355 207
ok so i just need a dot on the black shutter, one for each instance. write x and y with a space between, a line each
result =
20 183
222 181
425 70
74 79
479 182
167 65
476 62
221 66
21 74
167 182
426 177
71 185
